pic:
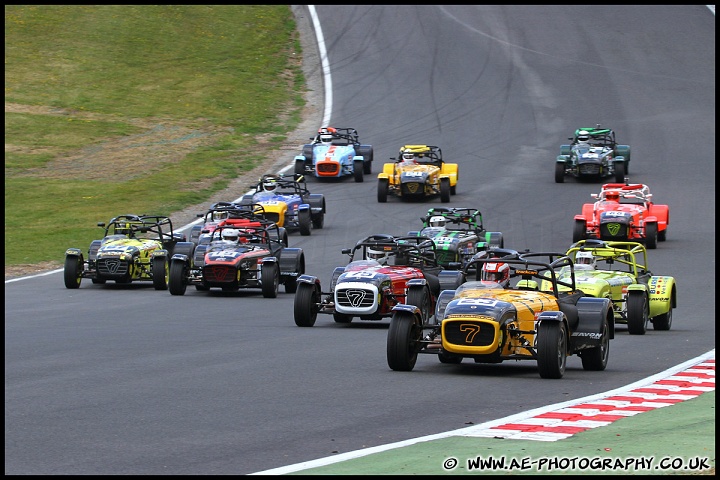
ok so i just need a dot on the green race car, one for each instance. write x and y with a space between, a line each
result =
619 271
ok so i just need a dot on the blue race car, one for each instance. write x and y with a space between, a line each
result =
335 153
286 201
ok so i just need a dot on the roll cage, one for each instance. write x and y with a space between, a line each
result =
155 227
457 218
342 136
424 154
599 137
413 251
294 184
626 257
538 268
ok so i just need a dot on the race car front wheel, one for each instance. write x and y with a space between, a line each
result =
270 281
307 298
637 313
382 193
403 341
160 273
551 349
72 272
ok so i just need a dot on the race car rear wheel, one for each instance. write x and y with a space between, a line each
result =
419 296
383 186
637 313
342 317
307 298
160 273
559 173
620 172
597 358
270 281
176 279
579 230
663 322
651 235
299 167
304 222
449 358
318 220
403 341
444 190
72 272
551 349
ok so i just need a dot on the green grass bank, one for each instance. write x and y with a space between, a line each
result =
113 109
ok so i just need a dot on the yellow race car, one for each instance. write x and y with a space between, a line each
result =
418 172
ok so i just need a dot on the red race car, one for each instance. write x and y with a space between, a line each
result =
623 212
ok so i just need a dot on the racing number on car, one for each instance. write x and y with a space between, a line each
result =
362 274
470 332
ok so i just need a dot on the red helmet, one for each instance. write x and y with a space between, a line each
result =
612 195
496 272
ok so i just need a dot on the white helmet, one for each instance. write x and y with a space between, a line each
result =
408 155
437 221
381 256
583 136
326 134
230 234
270 184
585 258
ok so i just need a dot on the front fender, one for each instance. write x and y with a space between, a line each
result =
73 252
160 253
563 159
309 279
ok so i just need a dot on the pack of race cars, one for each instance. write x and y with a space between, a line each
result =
448 286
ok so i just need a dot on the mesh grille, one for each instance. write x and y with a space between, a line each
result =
219 274
112 267
330 168
465 333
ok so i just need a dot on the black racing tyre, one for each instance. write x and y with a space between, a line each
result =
342 317
290 285
176 280
444 190
579 231
382 192
304 222
651 235
72 272
620 172
403 341
299 167
449 358
559 173
307 298
367 167
637 313
596 358
419 296
270 279
318 220
160 273
663 322
662 236
358 171
551 349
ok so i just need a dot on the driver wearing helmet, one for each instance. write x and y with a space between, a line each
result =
583 137
612 196
230 235
585 261
377 254
437 221
326 135
408 157
124 229
269 184
495 275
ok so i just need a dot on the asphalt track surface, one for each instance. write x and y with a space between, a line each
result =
127 380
